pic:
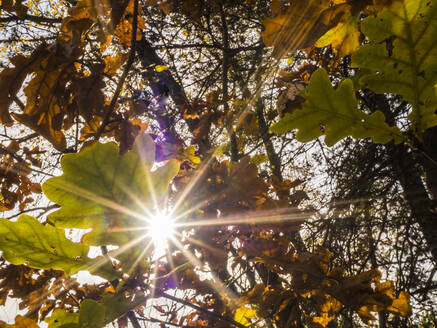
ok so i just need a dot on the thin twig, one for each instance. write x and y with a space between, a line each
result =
44 209
164 322
22 161
198 308
124 75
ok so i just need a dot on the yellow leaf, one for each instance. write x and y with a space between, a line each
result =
401 305
160 68
365 313
190 154
344 37
323 320
112 64
242 314
20 322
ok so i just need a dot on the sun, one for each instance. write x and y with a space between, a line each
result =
161 229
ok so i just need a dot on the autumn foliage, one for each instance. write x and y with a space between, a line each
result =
224 116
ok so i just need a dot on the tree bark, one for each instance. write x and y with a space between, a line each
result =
409 169
429 146
408 174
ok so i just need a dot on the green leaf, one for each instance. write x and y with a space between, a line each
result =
259 159
40 246
335 113
108 192
92 314
118 304
63 319
408 67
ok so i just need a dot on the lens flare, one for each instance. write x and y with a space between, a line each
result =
161 228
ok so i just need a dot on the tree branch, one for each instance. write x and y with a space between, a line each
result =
198 308
133 319
44 209
149 58
124 75
32 18
235 156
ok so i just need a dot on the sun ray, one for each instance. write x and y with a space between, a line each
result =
292 37
125 247
140 257
91 196
191 185
194 207
216 284
202 244
274 217
152 290
140 203
151 188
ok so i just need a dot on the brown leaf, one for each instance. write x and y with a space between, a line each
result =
88 93
20 322
299 27
298 197
11 79
126 135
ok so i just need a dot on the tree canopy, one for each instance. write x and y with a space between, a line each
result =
218 163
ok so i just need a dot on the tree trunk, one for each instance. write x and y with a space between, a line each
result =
429 147
409 169
408 173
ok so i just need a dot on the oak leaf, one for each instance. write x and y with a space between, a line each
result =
409 69
40 246
106 191
335 114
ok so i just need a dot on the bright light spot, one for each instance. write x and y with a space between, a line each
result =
161 229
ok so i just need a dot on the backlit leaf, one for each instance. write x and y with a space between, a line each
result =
106 191
40 246
401 305
344 37
160 68
20 322
63 319
334 113
409 68
92 314
242 314
11 79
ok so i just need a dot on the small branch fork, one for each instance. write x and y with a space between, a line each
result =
124 75
193 306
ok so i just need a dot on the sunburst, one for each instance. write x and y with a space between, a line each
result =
161 228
